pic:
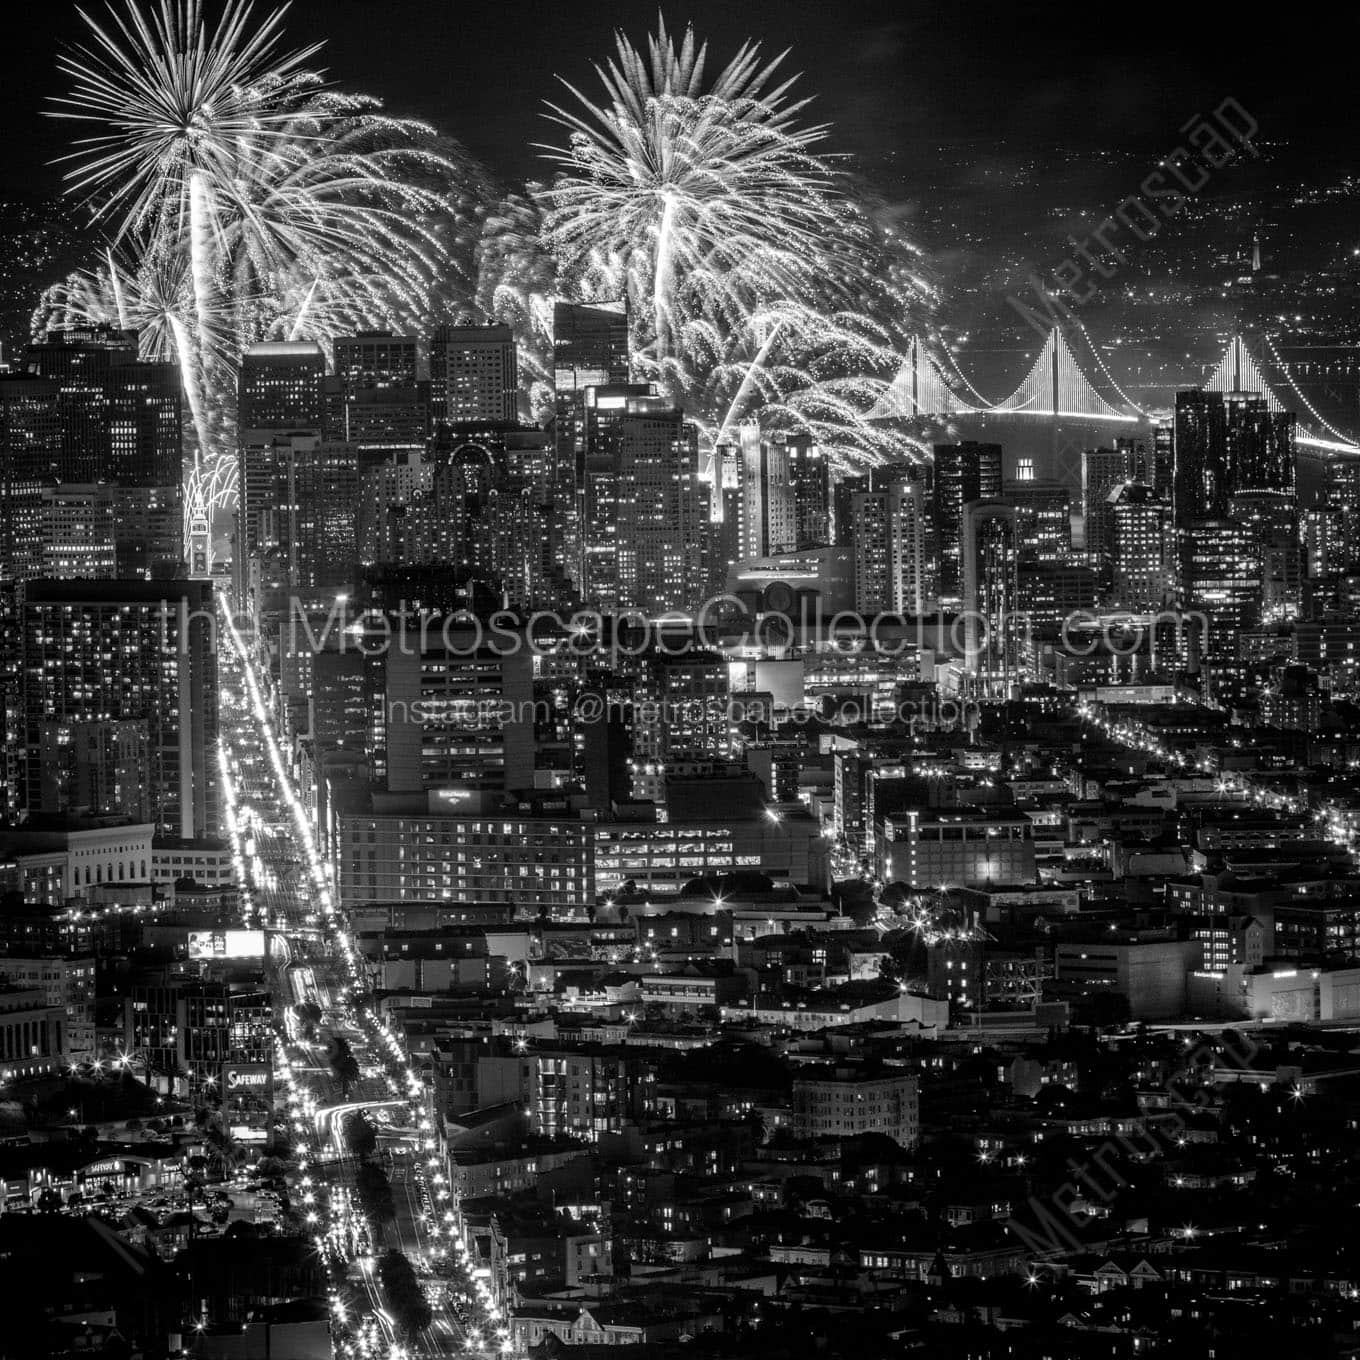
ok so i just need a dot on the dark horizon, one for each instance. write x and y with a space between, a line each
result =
1019 79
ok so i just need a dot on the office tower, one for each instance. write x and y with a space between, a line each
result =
12 734
1341 481
810 477
990 559
661 514
590 345
374 399
680 709
1201 447
1102 471
590 353
587 528
767 513
457 713
375 359
1272 517
78 531
322 481
30 460
1260 453
388 492
1226 443
280 386
600 746
81 362
130 652
1140 547
474 374
146 425
963 472
279 419
1051 593
120 425
1220 579
890 548
1162 474
1043 519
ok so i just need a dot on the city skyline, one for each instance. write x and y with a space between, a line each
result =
719 720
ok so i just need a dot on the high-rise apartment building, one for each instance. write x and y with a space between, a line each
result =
890 545
661 513
130 652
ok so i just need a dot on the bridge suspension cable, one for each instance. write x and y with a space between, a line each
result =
1056 386
919 389
1238 371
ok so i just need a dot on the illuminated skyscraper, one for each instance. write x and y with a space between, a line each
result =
1103 470
810 476
768 514
374 399
991 555
79 531
1220 579
590 352
375 359
81 362
474 374
890 543
1260 454
1140 547
1227 443
30 460
280 386
139 652
590 345
1272 517
280 424
963 472
120 424
661 514
1043 519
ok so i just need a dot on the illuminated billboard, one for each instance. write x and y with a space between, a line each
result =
226 944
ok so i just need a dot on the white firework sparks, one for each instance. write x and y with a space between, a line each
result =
758 284
250 203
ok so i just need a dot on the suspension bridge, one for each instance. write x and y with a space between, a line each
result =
1056 389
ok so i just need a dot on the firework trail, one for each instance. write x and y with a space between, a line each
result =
760 285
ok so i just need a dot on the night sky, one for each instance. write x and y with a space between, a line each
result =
896 79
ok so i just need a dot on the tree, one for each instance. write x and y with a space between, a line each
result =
360 1135
406 1300
343 1063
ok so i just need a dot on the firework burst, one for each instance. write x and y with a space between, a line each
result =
249 202
759 284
